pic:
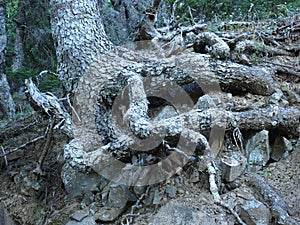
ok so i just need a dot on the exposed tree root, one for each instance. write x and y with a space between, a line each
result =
270 197
127 146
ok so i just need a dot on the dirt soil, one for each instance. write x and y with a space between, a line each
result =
33 199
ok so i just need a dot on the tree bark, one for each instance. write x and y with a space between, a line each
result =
19 40
3 38
6 100
79 37
112 126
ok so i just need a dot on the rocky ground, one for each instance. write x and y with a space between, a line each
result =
29 196
32 199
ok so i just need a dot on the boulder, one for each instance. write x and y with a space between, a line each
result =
254 212
174 213
280 148
77 182
258 151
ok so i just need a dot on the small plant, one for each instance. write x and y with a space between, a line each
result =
234 10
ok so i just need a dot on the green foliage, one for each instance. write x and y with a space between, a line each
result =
215 10
39 48
49 83
16 79
46 83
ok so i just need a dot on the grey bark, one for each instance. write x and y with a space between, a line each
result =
3 38
111 74
18 58
50 104
106 79
6 102
79 36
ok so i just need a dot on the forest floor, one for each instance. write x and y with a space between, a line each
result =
32 199
37 199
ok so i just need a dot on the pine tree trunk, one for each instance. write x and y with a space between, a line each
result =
18 59
6 102
79 36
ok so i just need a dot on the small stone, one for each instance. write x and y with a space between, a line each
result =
277 95
178 180
285 155
232 166
107 214
94 207
148 201
86 221
195 177
254 212
94 189
138 190
171 191
80 214
156 198
180 191
166 112
284 103
280 147
205 102
229 95
293 97
118 196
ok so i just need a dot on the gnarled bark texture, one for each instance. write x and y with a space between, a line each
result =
6 102
19 40
79 36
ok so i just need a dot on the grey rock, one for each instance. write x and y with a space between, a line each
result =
195 176
171 191
293 97
232 166
254 212
150 198
138 190
229 95
174 213
205 102
77 182
118 196
276 96
80 214
280 148
156 198
166 112
208 42
4 217
86 221
258 150
108 214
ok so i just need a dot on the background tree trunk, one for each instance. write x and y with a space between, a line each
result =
19 41
79 37
6 101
